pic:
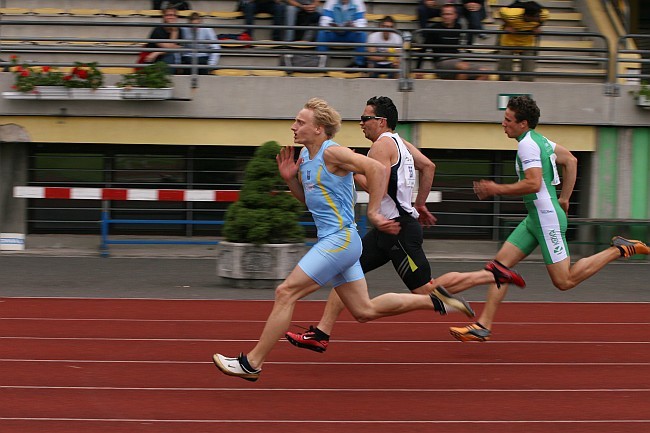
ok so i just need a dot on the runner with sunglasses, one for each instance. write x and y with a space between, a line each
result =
403 249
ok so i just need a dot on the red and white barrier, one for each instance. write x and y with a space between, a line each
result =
153 194
125 194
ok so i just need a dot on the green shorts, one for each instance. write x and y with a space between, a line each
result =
545 226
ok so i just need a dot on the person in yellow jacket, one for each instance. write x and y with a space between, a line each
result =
523 22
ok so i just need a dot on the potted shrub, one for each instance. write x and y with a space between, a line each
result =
149 82
643 95
263 237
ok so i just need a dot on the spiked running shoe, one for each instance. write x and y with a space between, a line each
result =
442 299
629 247
503 274
308 340
238 367
473 332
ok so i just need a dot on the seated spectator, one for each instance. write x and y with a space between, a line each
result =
523 22
202 54
302 13
274 7
178 5
390 39
170 16
427 9
344 13
474 13
449 21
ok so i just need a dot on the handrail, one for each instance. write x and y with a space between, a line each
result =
477 52
637 57
411 51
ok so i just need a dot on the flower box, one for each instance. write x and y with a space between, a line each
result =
40 92
51 92
643 101
147 93
103 93
111 93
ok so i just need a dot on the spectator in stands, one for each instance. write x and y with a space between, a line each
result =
523 22
204 54
427 9
276 8
344 13
449 15
178 5
474 12
302 13
170 16
381 59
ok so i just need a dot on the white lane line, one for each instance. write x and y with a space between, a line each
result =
352 390
312 421
337 363
81 298
379 322
219 340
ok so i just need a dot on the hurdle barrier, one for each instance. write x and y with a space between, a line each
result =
198 195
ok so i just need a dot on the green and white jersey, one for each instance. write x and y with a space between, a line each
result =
546 223
535 150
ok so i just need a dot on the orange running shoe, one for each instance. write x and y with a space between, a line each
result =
472 332
629 247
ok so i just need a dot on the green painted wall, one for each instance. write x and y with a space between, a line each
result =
640 180
607 173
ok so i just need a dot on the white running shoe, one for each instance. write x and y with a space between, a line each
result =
234 367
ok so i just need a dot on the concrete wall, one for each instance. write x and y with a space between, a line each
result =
13 171
281 98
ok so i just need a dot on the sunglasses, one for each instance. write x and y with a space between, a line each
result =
364 119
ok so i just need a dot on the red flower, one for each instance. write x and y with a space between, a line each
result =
14 57
19 68
67 77
46 69
82 73
24 73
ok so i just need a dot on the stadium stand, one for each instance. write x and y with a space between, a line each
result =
567 49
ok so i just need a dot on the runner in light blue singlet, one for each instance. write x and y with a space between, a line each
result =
329 195
330 198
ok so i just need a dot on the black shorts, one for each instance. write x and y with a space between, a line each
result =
404 250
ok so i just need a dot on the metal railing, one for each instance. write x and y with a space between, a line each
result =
236 54
632 63
554 53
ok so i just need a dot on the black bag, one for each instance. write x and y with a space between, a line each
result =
179 5
300 61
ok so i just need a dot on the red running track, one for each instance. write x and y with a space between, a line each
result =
107 365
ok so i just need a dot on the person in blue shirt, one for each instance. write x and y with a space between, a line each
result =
343 13
322 178
205 51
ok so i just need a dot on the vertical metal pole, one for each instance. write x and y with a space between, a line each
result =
103 247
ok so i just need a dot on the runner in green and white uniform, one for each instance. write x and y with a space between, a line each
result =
546 222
